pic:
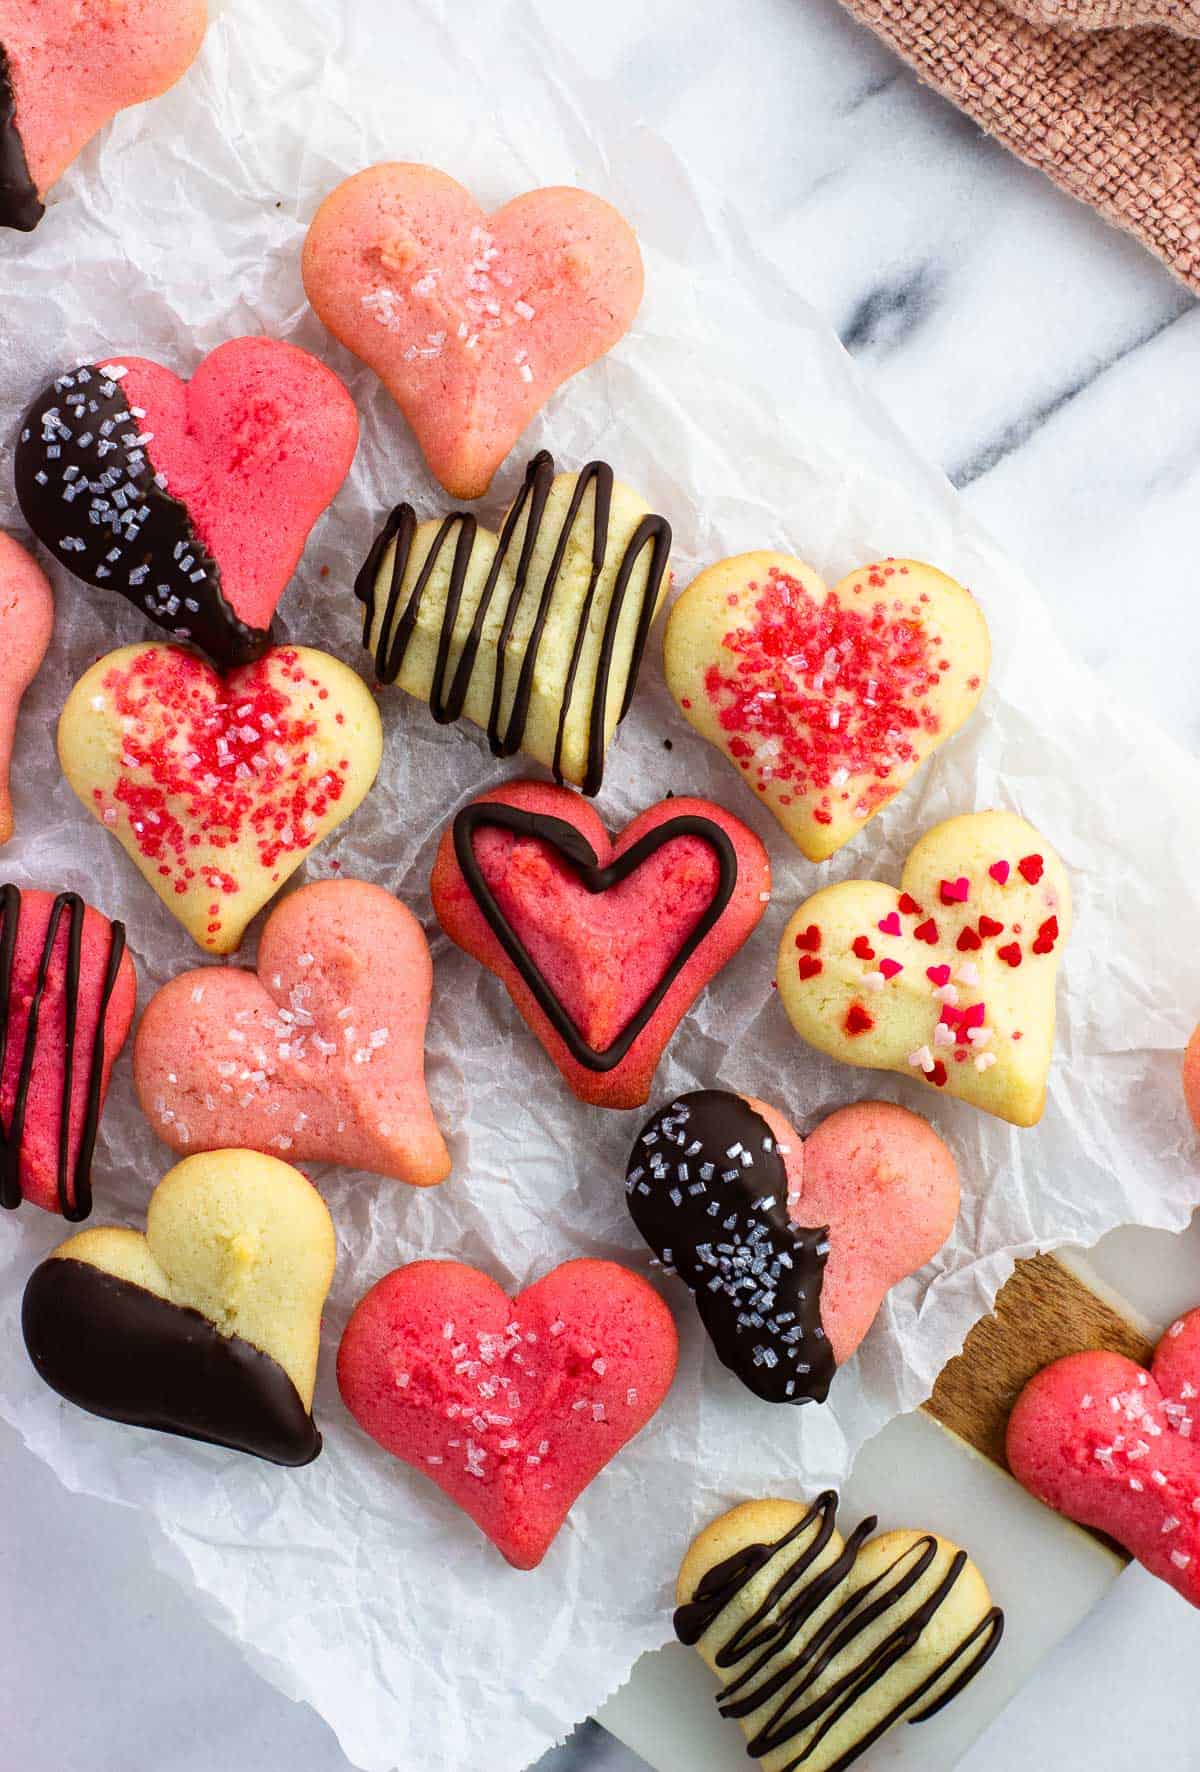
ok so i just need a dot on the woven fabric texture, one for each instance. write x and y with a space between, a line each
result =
1113 116
1107 15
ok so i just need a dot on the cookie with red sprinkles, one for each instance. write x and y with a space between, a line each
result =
217 788
511 1406
825 700
949 980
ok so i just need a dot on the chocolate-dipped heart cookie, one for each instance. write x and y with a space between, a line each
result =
207 1326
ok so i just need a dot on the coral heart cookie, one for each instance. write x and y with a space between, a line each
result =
26 623
67 991
511 1406
857 1634
949 980
319 1056
470 320
603 946
218 787
788 1245
537 634
208 1325
66 68
826 701
1110 1445
191 499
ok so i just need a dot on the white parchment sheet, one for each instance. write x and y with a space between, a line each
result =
354 1584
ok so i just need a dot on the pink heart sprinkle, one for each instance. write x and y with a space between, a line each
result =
890 925
1000 870
956 891
939 975
890 968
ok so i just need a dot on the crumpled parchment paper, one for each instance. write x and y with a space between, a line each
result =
354 1584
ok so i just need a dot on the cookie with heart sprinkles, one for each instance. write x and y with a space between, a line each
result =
603 945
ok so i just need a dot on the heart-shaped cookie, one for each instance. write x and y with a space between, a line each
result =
1110 1445
950 979
854 1634
66 68
603 946
536 634
319 1056
789 1245
826 701
26 623
511 1406
191 499
470 320
67 992
218 787
207 1326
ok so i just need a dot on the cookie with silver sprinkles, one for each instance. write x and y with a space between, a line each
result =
193 500
789 1245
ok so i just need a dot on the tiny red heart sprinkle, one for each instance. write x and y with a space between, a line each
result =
862 949
940 975
857 1020
956 891
938 1075
890 925
1047 935
926 931
1031 868
989 926
808 966
968 941
809 940
890 968
909 905
1000 870
1011 955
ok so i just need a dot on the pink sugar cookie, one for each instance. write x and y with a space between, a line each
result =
1191 1077
26 623
87 979
1111 1446
470 320
603 945
194 500
511 1406
318 1057
788 1244
66 68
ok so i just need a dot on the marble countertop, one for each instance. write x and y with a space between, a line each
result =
1050 367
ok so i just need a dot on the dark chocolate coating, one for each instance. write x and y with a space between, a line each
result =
798 1598
574 847
447 696
74 1188
20 205
119 1351
707 1188
89 490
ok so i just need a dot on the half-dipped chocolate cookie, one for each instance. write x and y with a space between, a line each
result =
788 1245
208 1325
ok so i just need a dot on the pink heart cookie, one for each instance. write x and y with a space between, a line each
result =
319 1057
1111 1446
470 320
26 623
66 67
511 1406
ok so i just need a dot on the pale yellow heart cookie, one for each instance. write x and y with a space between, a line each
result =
825 701
822 1643
951 979
206 1326
218 787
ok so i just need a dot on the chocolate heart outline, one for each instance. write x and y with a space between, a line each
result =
575 848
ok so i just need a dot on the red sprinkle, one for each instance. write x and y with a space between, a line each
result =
857 1020
890 968
1031 868
940 975
909 906
938 1075
926 931
968 941
809 940
1011 955
862 949
988 926
890 925
1047 935
808 966
1000 870
956 891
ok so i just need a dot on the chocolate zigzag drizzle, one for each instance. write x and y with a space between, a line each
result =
798 1595
122 1352
91 494
74 1189
20 205
707 1187
448 694
575 848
